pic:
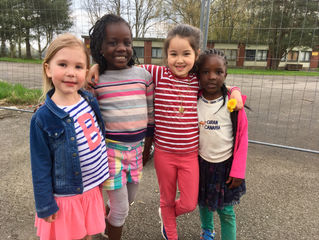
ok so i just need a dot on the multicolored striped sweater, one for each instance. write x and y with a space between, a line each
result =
126 101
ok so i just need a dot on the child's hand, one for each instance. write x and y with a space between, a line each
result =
93 76
236 94
234 182
51 218
37 107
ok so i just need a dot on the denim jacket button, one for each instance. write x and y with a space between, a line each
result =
69 120
76 173
78 189
74 154
72 138
56 134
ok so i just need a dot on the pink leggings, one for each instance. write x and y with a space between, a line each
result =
172 168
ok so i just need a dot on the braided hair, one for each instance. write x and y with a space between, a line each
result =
97 35
202 58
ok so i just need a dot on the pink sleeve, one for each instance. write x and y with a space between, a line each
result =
238 168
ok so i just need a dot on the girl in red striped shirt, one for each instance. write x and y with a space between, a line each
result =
176 126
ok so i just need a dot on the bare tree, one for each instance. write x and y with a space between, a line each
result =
95 9
183 11
140 14
143 15
115 7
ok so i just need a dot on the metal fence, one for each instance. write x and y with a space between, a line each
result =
284 108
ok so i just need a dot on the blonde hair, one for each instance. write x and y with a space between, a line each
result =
62 41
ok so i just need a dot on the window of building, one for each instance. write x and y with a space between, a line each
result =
250 55
139 52
292 56
156 52
304 56
261 55
231 54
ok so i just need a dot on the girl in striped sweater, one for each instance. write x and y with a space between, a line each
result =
125 96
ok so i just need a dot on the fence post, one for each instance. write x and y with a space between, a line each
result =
204 21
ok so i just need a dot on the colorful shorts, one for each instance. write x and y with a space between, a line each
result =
125 165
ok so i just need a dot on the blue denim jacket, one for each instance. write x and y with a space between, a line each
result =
55 160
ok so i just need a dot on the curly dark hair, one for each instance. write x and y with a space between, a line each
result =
97 35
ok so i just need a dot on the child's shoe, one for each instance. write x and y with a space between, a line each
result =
207 235
162 225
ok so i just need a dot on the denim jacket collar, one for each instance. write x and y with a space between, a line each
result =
53 107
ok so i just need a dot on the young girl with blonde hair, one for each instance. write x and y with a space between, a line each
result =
68 152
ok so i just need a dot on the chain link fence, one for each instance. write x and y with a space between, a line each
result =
284 107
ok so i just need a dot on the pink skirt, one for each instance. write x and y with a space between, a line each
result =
77 217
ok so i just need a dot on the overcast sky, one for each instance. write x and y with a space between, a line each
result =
81 21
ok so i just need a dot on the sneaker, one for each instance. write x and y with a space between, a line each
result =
207 235
162 225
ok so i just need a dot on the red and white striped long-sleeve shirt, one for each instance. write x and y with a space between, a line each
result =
175 102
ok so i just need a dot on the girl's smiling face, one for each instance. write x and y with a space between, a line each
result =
180 56
117 46
67 70
212 75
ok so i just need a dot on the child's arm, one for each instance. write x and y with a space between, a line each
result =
92 77
150 117
236 94
238 168
89 84
41 166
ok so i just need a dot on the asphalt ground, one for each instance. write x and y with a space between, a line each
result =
281 200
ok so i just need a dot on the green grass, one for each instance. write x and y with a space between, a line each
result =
17 94
271 72
20 60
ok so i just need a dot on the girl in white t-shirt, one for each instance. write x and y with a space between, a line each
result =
223 143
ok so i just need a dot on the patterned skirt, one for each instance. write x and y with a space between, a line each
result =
213 190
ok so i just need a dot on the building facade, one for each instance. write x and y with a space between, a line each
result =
149 51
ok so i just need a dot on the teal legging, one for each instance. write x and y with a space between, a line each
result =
227 221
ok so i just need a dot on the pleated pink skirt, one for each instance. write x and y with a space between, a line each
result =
77 217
